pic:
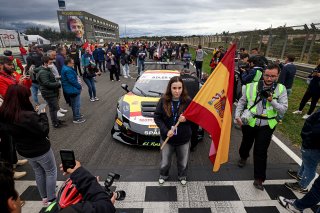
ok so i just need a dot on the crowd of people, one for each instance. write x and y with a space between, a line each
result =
262 104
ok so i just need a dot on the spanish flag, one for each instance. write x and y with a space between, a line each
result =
211 108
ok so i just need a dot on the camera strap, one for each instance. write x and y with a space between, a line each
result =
263 117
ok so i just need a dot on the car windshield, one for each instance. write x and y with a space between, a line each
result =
149 87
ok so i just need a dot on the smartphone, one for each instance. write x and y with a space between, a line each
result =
41 108
67 159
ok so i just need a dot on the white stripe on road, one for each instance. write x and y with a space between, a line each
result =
287 150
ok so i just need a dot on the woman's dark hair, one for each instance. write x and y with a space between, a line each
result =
15 101
6 186
167 97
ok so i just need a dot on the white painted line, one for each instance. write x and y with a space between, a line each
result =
287 150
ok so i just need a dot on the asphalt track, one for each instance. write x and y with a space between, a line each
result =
95 148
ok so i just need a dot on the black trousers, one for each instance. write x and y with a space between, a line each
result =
7 149
53 109
113 71
314 100
261 138
198 65
194 135
102 64
77 68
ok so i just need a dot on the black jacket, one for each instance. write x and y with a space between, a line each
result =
287 74
192 84
314 86
310 132
31 134
93 194
164 123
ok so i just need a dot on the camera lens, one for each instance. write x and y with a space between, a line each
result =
120 195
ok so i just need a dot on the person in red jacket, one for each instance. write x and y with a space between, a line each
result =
23 53
8 76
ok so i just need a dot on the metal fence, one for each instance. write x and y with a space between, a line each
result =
302 41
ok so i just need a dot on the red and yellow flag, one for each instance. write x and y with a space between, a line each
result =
211 108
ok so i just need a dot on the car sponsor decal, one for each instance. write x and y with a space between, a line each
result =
151 144
134 114
118 122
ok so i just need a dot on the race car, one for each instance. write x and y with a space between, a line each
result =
134 123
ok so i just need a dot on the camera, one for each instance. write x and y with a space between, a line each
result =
120 195
265 93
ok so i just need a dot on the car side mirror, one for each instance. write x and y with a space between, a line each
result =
125 87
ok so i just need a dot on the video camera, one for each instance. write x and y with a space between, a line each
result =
120 195
265 93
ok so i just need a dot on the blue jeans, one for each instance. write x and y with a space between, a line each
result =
140 66
45 170
311 199
182 153
310 160
91 86
126 71
75 105
34 93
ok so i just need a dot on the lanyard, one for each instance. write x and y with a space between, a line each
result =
175 114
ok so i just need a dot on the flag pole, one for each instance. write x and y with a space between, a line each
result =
166 141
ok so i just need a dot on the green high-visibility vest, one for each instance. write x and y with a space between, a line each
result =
251 93
257 77
16 67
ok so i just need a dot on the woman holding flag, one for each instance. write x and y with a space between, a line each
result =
168 113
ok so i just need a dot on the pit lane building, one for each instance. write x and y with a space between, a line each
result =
88 26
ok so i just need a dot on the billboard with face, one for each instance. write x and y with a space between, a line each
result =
75 25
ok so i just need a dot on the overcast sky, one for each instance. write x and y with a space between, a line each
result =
168 17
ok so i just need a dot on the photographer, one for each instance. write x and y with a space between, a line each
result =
256 113
94 197
254 74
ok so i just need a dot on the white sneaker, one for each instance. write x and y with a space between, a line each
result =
288 204
125 76
297 112
161 181
92 100
63 110
18 175
60 115
96 99
22 162
306 116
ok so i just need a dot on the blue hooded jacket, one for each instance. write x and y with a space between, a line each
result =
69 80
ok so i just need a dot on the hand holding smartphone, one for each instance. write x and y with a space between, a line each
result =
67 158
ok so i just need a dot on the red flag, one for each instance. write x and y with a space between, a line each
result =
211 108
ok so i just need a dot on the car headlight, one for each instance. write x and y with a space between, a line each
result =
124 108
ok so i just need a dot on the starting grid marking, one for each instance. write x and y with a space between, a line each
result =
213 196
